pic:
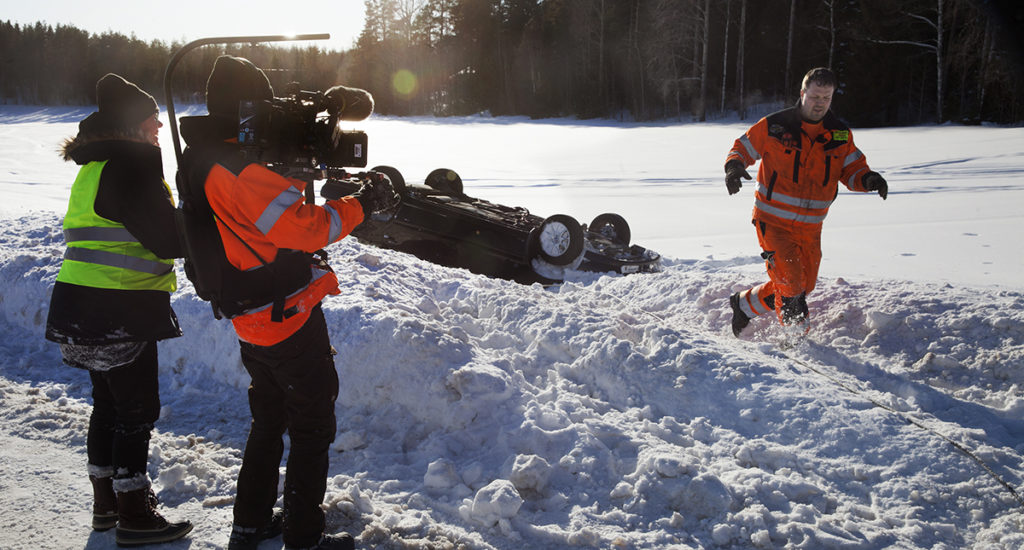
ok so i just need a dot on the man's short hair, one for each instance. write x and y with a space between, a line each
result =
821 76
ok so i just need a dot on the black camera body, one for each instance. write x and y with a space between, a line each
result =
292 132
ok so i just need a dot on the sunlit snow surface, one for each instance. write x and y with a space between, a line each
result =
606 412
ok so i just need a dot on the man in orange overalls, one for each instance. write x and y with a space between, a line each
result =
805 151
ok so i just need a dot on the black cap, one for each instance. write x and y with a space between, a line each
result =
122 105
234 79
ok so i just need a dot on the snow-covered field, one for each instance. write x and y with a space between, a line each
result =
607 412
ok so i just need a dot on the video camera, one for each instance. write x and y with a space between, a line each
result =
292 132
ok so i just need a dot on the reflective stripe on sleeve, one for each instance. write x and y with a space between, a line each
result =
276 208
855 179
334 232
111 259
852 158
108 234
749 147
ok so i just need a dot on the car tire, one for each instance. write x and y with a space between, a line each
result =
445 180
612 227
559 240
396 177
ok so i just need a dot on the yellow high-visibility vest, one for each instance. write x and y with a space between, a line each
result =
102 253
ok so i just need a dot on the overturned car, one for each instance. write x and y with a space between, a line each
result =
439 223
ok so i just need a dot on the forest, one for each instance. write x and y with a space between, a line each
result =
899 62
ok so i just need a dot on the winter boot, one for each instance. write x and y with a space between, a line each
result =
740 320
139 523
795 313
247 538
104 503
341 541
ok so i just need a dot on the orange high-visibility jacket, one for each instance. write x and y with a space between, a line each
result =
801 164
269 213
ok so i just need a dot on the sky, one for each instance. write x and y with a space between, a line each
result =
607 412
187 20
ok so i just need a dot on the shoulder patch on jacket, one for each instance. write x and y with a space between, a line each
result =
841 135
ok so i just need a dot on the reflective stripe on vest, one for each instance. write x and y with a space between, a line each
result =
102 253
113 259
75 234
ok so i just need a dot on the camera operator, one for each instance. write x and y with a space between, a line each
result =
269 234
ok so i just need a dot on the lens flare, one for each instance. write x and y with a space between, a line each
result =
404 82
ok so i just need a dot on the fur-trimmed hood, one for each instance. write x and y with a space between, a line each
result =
71 148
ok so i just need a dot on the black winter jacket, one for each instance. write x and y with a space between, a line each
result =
131 191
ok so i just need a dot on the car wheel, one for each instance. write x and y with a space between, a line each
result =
612 227
445 180
559 240
396 177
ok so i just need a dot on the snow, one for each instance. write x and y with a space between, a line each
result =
608 411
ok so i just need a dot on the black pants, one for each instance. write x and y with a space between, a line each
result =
126 403
294 387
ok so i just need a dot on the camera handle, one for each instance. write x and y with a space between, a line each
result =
169 71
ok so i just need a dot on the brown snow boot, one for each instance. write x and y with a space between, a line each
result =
139 523
104 503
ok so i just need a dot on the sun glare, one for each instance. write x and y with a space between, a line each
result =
404 82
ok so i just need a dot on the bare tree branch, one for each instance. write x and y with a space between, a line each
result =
925 45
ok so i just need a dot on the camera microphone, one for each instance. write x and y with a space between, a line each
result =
350 104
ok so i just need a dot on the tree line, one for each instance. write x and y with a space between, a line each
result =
899 61
46 65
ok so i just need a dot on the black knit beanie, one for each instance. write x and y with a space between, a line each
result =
234 79
123 104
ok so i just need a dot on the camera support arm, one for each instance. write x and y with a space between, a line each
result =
169 71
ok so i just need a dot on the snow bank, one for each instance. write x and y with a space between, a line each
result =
606 412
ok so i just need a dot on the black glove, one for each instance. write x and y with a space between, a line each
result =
377 195
734 170
873 181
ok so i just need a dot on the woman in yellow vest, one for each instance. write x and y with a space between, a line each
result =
111 301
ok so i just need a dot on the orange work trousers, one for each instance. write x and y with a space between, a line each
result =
792 257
